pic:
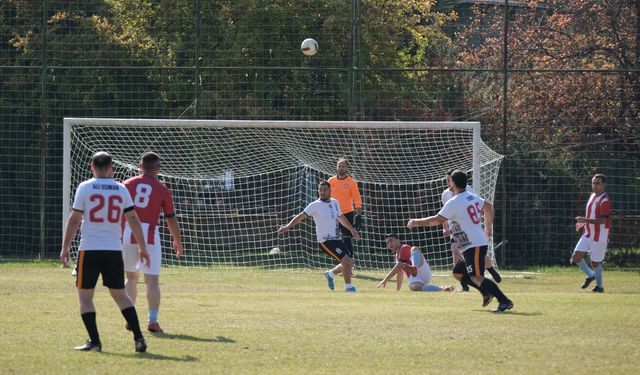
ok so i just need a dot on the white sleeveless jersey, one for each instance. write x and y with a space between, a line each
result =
325 215
103 202
464 212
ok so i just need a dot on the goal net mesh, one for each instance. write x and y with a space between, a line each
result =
233 186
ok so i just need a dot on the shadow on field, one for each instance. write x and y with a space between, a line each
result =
511 312
155 357
171 336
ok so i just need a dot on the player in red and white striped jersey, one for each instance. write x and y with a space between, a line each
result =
595 226
150 196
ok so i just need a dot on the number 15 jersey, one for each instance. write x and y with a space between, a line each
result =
464 212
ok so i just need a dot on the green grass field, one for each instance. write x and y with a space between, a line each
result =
286 322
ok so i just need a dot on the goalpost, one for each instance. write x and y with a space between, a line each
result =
235 182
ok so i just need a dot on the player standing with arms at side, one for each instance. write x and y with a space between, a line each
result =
456 255
595 225
345 190
99 205
464 213
149 197
325 212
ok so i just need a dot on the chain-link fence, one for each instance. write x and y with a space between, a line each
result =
559 96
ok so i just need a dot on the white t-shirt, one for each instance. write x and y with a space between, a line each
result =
448 194
103 202
464 212
325 215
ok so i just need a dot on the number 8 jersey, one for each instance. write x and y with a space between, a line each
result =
464 212
103 202
150 196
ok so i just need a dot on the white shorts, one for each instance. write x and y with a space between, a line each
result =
131 257
423 276
595 249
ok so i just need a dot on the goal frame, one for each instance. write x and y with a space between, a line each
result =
69 122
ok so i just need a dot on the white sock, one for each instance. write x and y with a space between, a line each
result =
347 286
330 274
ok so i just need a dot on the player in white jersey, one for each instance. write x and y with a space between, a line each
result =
411 262
99 206
464 212
456 254
595 225
327 215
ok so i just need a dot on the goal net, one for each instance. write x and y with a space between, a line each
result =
235 182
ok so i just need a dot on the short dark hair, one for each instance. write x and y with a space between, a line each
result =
600 176
391 235
101 159
450 172
150 160
460 179
324 182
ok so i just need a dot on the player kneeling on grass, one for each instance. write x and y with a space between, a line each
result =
409 259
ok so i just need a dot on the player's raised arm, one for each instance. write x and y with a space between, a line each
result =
295 221
430 221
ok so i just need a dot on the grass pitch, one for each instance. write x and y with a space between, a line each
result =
286 322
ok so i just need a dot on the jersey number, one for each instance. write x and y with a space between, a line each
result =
143 192
474 212
113 212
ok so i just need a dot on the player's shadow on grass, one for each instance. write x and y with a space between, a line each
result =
171 336
155 357
511 312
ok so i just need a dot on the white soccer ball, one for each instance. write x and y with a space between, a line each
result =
275 250
309 47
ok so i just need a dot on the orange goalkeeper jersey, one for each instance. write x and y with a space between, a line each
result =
346 192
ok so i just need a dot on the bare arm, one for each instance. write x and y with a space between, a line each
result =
397 268
295 221
430 221
174 229
136 229
584 220
73 223
345 223
489 214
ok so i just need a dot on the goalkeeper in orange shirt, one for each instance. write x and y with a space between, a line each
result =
345 190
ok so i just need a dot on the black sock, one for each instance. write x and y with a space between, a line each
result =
131 317
89 320
496 276
467 280
489 286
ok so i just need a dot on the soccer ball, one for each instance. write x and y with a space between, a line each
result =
309 47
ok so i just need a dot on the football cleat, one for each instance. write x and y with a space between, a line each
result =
588 282
329 280
155 327
598 290
350 289
486 299
141 345
89 346
504 306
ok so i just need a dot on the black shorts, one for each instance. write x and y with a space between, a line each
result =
336 248
460 267
474 260
92 263
349 216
